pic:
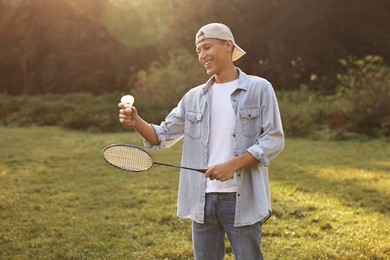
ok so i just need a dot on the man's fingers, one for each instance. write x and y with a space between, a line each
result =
217 173
127 117
210 174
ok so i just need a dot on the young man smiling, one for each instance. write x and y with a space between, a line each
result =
231 125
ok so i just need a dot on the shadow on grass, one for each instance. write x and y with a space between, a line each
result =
354 191
354 172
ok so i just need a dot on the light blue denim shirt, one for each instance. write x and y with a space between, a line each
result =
258 130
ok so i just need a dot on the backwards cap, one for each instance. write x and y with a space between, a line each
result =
219 31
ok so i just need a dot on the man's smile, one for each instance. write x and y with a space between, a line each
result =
207 64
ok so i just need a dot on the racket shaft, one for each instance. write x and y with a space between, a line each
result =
181 167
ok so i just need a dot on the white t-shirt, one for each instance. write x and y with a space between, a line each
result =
222 124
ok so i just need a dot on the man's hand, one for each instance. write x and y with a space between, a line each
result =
220 172
225 171
128 116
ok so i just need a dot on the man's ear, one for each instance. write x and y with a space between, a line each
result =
229 46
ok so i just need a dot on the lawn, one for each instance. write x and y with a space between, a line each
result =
60 200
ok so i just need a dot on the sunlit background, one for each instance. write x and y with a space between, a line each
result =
134 23
46 43
317 50
64 64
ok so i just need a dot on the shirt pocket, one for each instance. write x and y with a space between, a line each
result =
250 121
193 125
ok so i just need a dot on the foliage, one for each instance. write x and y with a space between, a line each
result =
359 106
81 111
163 84
60 200
51 48
364 95
304 112
66 46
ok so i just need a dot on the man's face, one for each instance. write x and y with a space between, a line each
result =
214 55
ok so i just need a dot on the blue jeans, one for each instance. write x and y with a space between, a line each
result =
208 238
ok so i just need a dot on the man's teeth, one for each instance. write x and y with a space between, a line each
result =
207 63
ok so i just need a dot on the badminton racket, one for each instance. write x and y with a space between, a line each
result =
131 158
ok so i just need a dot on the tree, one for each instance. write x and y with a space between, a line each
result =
81 45
364 94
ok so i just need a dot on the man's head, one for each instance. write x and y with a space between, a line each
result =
221 32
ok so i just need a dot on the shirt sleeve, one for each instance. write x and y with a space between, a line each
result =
270 141
170 131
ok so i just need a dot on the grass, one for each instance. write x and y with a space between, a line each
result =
60 200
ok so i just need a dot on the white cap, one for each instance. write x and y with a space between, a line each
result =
219 31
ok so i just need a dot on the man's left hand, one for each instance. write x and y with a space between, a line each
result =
220 172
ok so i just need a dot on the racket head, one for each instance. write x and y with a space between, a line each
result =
127 157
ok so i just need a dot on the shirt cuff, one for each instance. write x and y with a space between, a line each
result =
160 138
257 152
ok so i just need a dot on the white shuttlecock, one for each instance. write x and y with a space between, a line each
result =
128 100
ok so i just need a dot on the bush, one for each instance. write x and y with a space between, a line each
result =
80 111
361 104
304 112
364 95
158 89
94 113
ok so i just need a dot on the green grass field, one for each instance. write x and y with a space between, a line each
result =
60 200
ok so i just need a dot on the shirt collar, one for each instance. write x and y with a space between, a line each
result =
242 82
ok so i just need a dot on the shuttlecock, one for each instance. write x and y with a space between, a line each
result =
128 100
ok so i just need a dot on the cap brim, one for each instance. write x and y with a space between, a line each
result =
237 52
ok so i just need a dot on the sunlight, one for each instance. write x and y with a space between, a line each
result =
138 23
90 9
126 3
134 23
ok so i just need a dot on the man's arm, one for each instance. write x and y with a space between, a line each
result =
131 118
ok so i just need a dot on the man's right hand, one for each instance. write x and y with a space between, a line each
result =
128 116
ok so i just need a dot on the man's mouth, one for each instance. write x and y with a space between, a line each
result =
207 63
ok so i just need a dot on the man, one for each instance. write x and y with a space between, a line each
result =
231 125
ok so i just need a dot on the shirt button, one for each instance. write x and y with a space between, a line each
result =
238 195
239 175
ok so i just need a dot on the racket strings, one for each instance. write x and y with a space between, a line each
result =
128 158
